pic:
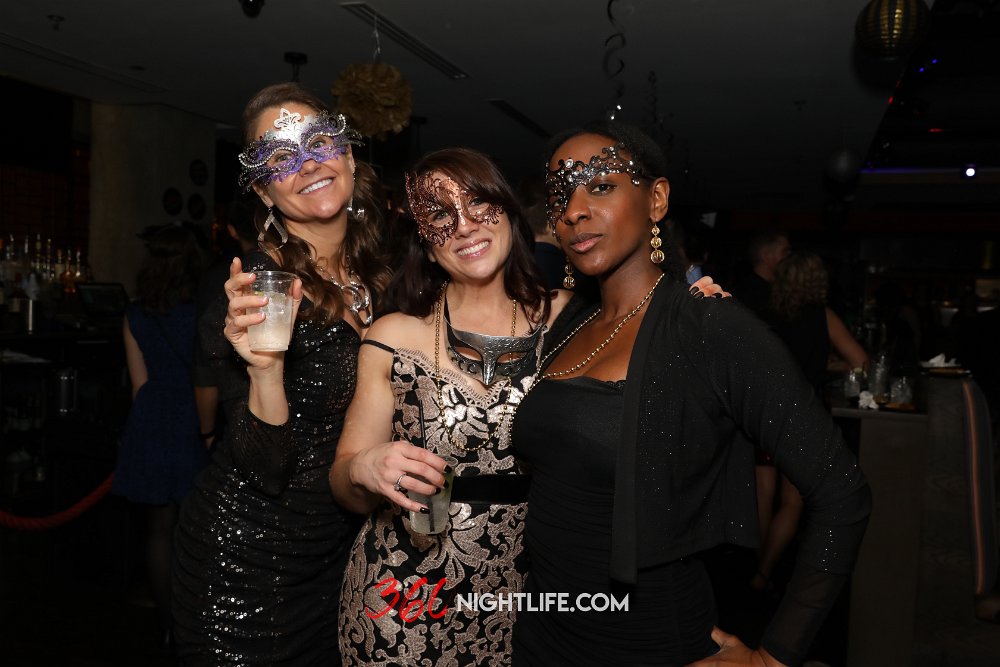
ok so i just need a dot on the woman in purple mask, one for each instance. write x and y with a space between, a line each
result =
261 545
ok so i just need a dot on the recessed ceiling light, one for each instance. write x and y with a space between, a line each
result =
969 171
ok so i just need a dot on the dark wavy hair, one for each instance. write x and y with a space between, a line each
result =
417 282
169 275
644 151
362 247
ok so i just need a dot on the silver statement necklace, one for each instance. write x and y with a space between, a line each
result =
356 295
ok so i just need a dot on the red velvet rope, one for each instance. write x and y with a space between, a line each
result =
59 518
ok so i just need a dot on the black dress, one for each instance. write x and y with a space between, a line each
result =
261 545
808 339
568 432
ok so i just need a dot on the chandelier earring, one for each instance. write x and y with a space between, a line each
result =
569 282
657 255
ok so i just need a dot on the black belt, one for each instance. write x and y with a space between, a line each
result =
494 489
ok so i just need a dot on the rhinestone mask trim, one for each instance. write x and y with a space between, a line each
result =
283 150
562 182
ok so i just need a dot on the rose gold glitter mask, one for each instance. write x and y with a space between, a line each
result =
438 205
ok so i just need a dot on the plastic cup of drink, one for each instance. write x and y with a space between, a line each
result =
438 505
273 334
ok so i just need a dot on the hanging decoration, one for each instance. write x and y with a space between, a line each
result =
612 65
890 28
374 96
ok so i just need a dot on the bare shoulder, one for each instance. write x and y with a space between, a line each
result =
398 330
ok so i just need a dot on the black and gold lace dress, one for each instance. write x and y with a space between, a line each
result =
480 552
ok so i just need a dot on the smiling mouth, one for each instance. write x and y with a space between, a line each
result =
316 186
473 249
584 242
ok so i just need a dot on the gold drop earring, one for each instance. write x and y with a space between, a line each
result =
657 255
569 282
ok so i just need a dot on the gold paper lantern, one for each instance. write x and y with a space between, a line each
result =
890 28
375 98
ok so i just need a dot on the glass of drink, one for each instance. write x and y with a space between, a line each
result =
437 517
273 334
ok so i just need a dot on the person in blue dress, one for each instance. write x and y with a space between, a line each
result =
161 447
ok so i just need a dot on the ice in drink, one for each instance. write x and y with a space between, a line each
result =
273 334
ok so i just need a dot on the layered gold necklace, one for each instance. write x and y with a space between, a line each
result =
588 358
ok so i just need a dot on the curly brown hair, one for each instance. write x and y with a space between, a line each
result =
362 246
800 279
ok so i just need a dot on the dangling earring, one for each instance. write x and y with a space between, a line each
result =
657 255
272 221
350 205
569 282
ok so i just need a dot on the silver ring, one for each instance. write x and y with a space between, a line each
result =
399 489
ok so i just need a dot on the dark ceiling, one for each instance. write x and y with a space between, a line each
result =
751 100
944 116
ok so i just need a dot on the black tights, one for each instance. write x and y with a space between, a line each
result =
161 520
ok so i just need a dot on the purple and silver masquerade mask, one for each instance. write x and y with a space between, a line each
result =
437 203
283 150
561 183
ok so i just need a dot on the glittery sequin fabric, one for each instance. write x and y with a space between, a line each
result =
261 545
480 552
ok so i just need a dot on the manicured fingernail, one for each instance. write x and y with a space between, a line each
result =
693 289
447 468
424 510
445 484
699 295
717 296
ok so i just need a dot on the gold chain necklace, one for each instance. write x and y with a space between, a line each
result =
438 308
597 350
545 376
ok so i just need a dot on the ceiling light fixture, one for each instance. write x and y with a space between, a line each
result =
252 7
970 171
296 60
890 28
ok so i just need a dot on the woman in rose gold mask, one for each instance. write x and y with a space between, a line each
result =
443 377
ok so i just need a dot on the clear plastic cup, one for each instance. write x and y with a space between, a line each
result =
438 505
273 334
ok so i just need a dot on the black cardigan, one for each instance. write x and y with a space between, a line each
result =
701 370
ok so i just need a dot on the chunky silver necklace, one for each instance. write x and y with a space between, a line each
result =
360 299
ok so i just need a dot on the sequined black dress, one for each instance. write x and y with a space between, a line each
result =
261 544
480 552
